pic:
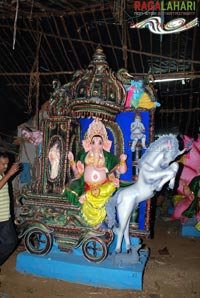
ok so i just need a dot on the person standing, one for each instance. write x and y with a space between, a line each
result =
8 237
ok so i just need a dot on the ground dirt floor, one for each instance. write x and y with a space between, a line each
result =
172 271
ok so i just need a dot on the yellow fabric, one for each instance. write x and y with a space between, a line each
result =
93 209
146 102
177 198
197 226
182 159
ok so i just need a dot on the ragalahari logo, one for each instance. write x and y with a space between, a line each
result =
158 9
183 6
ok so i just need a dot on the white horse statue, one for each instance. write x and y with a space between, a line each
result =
155 169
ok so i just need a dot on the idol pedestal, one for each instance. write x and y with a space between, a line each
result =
73 267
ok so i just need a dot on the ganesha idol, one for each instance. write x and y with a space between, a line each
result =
96 172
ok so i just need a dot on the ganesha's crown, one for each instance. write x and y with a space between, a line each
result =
96 128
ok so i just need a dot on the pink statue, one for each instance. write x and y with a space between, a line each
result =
33 137
183 204
190 161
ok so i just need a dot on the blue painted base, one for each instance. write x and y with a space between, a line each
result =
188 228
75 268
189 231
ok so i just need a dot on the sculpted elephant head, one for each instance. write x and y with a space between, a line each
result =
87 145
96 129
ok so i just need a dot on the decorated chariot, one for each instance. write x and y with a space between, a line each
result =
51 212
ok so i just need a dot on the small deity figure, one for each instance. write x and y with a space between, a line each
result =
54 160
135 91
96 174
137 129
141 96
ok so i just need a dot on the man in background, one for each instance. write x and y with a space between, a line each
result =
8 237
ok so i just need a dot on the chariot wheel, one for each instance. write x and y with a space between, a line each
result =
38 241
94 249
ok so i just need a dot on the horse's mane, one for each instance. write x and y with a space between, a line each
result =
158 146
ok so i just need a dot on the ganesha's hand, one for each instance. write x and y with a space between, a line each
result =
114 180
72 162
70 156
123 157
80 167
122 168
82 198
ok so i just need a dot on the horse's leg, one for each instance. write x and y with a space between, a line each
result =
175 168
123 211
119 239
172 183
125 207
168 175
120 230
127 237
163 180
